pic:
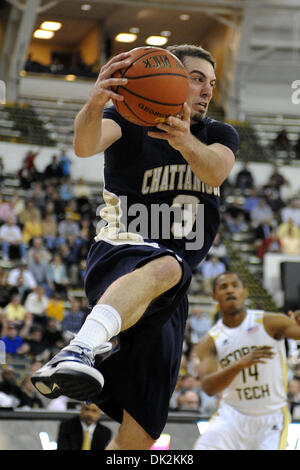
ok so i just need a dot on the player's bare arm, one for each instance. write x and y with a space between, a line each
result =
214 379
211 163
91 134
280 326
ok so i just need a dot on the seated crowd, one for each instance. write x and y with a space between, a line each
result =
45 237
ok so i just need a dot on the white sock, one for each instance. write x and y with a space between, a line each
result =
100 326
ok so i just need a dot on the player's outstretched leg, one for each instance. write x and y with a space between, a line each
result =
130 436
71 372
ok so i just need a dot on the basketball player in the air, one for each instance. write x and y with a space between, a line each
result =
137 282
243 358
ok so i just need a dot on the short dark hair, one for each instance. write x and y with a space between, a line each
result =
190 50
215 280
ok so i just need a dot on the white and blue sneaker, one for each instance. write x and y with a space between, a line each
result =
71 373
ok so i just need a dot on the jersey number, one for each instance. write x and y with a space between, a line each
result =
189 206
252 372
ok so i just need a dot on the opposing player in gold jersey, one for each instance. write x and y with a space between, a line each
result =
243 358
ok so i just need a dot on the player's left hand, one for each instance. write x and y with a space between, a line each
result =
176 130
295 316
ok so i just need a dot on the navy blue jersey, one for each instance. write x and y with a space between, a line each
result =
145 177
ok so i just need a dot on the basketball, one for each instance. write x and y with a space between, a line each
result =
157 86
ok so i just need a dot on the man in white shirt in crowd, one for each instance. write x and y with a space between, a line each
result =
10 234
36 303
22 272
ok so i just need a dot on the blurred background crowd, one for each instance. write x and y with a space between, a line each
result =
47 224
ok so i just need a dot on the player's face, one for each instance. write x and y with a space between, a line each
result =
202 80
230 293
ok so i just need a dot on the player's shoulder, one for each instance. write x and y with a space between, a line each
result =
206 346
211 123
221 132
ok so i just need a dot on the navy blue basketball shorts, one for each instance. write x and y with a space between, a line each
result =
141 373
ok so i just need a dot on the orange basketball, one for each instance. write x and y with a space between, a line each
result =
157 86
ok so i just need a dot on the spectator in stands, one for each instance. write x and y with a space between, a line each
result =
10 388
24 273
2 172
282 142
188 400
56 307
25 177
87 232
193 362
36 303
36 348
236 225
73 319
67 227
52 336
49 231
291 211
263 230
32 229
56 66
37 194
274 200
17 202
261 212
11 236
270 243
210 269
69 253
29 213
277 180
285 228
29 161
53 170
199 322
290 242
294 398
84 432
19 289
7 210
65 164
66 190
235 209
219 249
40 271
234 216
296 375
38 248
57 275
5 288
244 179
185 383
15 311
31 397
84 306
57 203
251 201
71 211
14 344
82 193
50 208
